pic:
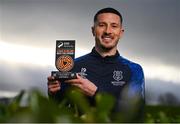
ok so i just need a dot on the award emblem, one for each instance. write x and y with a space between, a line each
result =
64 60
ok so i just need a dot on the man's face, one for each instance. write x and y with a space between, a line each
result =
107 31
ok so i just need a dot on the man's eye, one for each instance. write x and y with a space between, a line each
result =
101 25
114 26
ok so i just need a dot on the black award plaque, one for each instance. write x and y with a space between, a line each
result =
64 60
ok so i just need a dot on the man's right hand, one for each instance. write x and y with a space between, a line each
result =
53 85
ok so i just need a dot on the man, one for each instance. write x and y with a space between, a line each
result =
104 69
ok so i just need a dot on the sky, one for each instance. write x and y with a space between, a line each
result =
29 29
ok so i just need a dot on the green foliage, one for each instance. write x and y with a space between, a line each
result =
162 114
33 106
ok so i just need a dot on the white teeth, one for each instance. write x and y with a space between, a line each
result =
107 38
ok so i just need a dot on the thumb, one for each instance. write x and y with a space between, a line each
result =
78 76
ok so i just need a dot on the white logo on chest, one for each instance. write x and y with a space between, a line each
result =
118 76
83 72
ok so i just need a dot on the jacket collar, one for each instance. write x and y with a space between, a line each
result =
107 58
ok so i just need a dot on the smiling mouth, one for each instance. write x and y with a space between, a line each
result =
107 38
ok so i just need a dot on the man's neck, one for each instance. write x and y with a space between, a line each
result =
105 53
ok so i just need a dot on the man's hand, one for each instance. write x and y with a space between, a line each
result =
84 84
53 85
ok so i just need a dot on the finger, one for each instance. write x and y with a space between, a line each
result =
54 85
77 85
51 78
74 80
78 76
53 82
53 90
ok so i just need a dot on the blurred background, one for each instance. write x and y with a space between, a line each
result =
29 29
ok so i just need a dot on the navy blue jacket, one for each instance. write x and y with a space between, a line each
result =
112 74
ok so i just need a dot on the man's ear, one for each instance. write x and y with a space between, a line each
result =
92 29
121 32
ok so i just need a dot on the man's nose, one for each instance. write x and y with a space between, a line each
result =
108 30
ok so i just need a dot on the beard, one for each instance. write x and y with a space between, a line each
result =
105 48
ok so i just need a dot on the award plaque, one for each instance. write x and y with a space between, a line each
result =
64 60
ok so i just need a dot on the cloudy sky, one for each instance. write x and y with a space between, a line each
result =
29 29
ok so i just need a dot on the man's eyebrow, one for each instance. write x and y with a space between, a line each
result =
115 23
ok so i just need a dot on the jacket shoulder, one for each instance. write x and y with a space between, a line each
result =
136 69
131 64
82 58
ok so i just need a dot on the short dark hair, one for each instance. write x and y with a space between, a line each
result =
108 10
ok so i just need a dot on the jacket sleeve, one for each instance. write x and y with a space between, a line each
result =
137 82
136 91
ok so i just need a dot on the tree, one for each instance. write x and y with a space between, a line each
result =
168 99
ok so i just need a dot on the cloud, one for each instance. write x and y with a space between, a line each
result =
151 36
150 26
151 31
15 77
155 88
26 54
